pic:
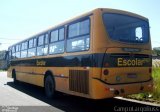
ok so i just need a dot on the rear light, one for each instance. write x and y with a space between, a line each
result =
105 72
150 70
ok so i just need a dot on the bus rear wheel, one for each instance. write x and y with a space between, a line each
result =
14 77
49 87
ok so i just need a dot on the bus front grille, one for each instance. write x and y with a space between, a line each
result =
79 81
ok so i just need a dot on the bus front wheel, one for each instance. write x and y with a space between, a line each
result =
49 86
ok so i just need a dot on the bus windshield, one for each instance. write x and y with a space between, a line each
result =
125 28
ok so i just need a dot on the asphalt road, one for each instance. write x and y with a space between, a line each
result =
28 98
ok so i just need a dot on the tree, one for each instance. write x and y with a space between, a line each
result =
156 51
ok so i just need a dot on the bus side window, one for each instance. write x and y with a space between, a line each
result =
13 52
10 53
46 42
42 48
24 47
35 42
18 51
57 41
61 34
32 47
78 36
40 45
54 36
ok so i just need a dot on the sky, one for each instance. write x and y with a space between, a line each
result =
20 19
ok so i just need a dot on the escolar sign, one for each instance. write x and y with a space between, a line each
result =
132 62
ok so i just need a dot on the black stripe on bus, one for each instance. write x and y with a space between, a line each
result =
85 60
88 60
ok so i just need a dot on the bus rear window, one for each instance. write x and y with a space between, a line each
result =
126 28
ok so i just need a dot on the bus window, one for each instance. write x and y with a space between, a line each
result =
31 52
61 34
40 40
84 27
45 49
126 28
42 48
31 43
18 51
57 41
13 52
40 45
32 48
46 39
78 44
13 49
56 48
24 54
34 42
10 53
78 36
54 36
24 47
80 28
17 48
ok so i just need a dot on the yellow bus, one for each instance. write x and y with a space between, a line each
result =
100 54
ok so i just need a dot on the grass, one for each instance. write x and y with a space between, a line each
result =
153 96
156 78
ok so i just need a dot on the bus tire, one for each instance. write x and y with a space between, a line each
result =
49 86
14 77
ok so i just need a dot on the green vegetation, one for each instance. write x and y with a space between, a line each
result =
152 96
156 78
156 51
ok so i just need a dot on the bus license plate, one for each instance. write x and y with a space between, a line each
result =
132 75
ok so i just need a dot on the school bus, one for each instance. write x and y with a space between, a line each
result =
101 54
